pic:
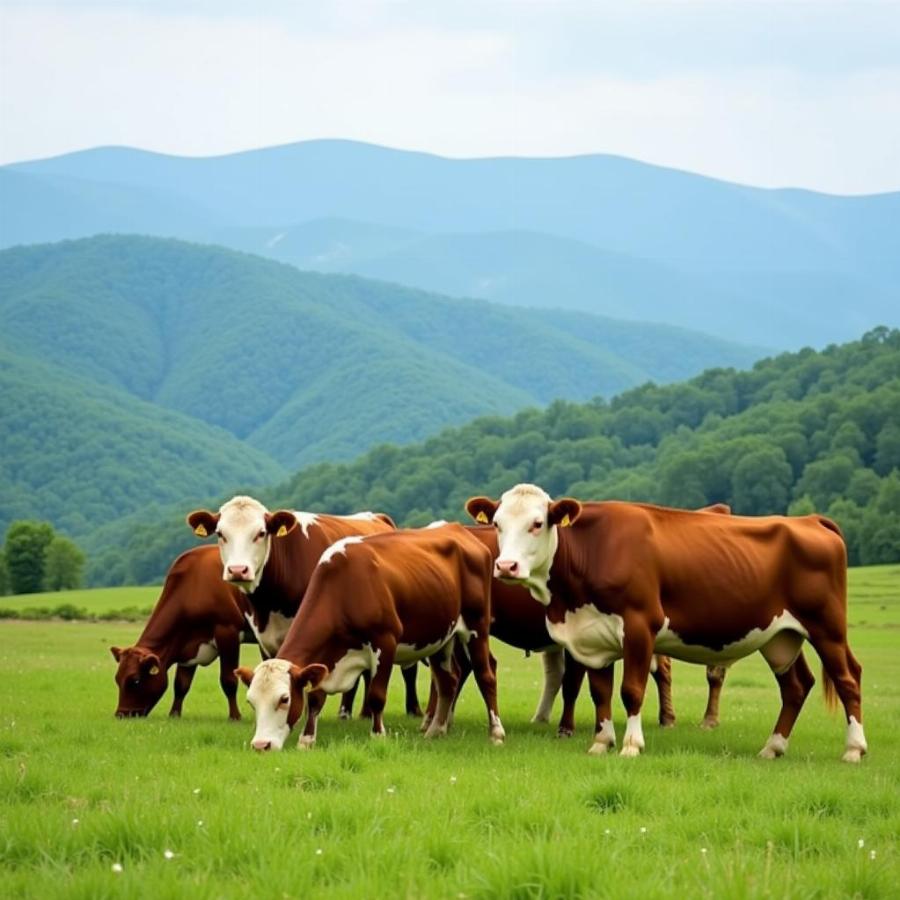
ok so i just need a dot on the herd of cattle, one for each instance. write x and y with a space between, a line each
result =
330 599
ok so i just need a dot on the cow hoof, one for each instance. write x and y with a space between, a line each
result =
768 753
497 741
415 713
565 732
306 742
709 723
175 714
435 732
378 734
599 749
426 723
344 713
666 723
236 718
541 718
853 755
775 747
630 751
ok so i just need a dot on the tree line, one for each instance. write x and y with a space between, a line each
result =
801 432
35 558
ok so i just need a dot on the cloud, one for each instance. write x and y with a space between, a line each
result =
771 94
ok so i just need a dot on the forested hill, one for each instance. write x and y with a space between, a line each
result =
799 432
138 370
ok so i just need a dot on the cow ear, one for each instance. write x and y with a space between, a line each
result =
384 517
281 522
482 509
150 664
564 512
245 674
203 523
116 652
309 676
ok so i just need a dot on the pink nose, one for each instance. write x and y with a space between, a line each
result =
261 745
506 568
240 572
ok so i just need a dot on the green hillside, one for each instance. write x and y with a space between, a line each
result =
799 432
305 366
79 453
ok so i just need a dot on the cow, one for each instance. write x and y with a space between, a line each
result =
271 556
624 580
520 622
197 618
372 603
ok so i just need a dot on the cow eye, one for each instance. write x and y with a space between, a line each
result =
260 536
537 525
135 682
285 699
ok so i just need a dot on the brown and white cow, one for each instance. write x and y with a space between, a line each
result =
372 603
520 622
197 618
271 556
623 580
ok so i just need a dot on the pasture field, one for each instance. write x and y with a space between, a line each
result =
97 601
187 810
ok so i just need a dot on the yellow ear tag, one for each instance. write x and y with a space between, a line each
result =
281 531
482 518
566 521
154 670
201 531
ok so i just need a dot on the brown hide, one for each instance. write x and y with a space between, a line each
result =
195 606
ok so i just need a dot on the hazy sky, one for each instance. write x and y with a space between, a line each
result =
795 92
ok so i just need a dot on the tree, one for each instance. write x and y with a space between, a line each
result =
4 575
761 482
63 565
26 548
887 449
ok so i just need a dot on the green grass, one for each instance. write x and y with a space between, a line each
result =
404 818
94 602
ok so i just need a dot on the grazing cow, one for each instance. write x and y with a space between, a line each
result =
271 557
197 618
624 580
374 602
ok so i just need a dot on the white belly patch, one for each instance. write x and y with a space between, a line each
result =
592 637
407 654
206 653
349 667
272 637
779 643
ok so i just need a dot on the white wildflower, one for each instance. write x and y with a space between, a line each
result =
872 854
196 790
860 843
76 822
168 854
392 790
643 830
452 779
117 868
318 851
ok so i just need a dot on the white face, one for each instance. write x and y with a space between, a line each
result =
244 541
270 696
527 543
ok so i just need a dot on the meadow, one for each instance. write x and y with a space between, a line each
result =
93 806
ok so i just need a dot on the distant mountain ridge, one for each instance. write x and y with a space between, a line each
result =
598 233
188 368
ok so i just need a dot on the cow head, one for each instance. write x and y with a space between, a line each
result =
275 691
526 520
245 529
141 679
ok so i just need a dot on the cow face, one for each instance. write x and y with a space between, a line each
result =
245 529
141 680
275 691
526 520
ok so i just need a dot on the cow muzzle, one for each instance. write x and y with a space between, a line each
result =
132 713
261 745
507 568
238 573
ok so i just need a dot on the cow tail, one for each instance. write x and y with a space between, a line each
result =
831 697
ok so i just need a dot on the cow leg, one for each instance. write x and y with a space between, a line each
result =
715 678
554 664
229 645
315 700
601 684
795 685
184 675
365 711
412 699
445 684
483 668
430 710
637 654
840 667
573 676
377 693
662 675
345 710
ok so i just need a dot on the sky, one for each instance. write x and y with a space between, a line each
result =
797 93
